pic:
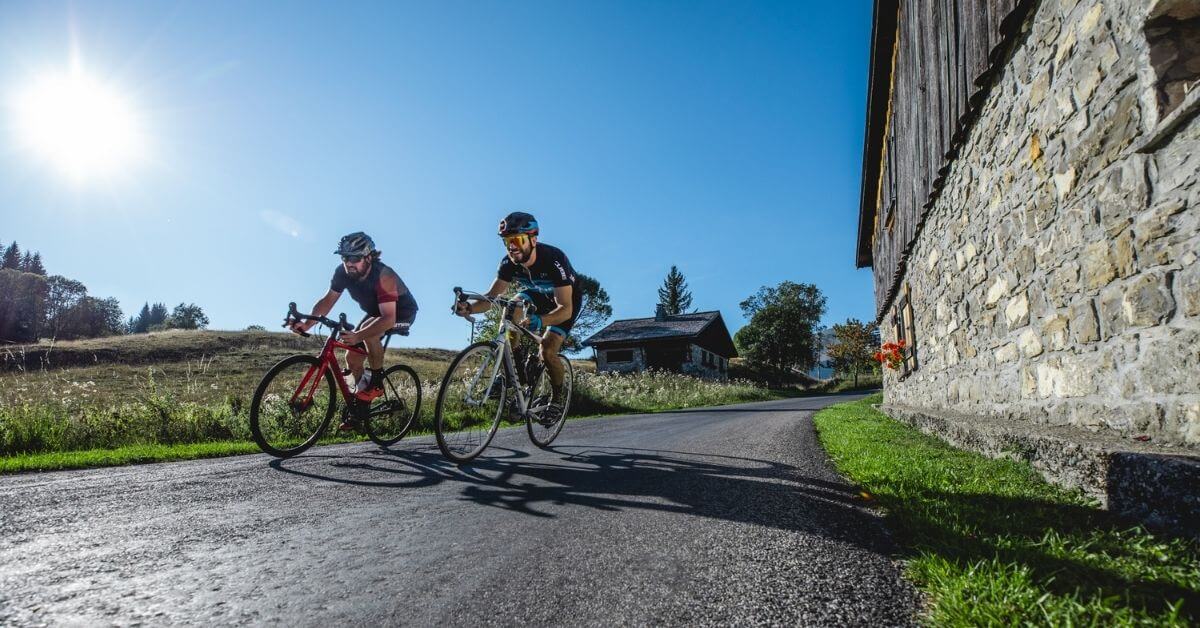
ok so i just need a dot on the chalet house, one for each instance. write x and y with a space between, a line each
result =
1030 206
695 344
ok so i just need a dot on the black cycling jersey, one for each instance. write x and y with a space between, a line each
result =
369 292
550 269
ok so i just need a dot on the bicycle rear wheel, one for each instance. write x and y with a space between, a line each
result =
543 425
393 414
470 403
292 406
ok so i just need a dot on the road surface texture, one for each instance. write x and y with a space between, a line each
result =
727 515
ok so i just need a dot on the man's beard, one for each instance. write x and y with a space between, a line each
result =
354 274
520 257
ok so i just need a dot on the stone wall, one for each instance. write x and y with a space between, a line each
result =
636 365
717 369
1056 279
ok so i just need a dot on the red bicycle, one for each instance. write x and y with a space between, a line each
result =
295 400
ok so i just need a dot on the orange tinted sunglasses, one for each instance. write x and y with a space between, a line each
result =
518 239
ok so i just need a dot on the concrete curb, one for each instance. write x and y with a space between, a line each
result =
1146 484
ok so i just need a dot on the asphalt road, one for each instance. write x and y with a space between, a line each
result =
728 515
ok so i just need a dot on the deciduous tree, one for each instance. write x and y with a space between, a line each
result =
782 328
853 346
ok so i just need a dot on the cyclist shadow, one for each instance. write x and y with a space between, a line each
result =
729 488
417 468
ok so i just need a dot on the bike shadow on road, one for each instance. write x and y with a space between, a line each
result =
611 479
389 468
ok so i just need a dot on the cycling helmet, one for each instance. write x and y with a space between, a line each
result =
357 243
518 222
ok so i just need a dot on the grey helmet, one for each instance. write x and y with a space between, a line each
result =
357 243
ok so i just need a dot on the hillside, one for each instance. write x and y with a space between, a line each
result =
156 348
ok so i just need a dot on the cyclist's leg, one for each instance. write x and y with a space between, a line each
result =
355 361
552 342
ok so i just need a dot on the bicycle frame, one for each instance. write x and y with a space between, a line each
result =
328 361
505 350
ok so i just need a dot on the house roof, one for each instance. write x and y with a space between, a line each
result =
633 330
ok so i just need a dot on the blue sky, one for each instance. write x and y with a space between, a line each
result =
723 137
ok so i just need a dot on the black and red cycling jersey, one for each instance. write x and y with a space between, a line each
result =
550 269
381 284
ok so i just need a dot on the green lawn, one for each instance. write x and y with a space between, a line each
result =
991 543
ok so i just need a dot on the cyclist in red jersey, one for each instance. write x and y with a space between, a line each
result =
380 293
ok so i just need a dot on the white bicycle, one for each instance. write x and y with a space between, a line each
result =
473 396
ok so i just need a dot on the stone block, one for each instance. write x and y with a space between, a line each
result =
1187 425
1064 182
1123 259
1188 282
1023 262
1098 268
1057 332
1028 382
1110 309
1084 325
1063 284
1148 300
998 289
1016 313
1153 230
1127 418
1006 353
1029 343
1169 363
1090 19
1085 85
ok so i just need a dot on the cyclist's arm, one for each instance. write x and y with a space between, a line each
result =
498 288
320 308
564 311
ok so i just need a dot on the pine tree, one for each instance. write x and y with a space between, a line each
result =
35 265
12 257
674 295
141 324
26 261
158 317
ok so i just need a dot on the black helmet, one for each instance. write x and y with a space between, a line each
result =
518 222
357 243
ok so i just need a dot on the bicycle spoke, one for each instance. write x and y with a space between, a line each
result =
470 403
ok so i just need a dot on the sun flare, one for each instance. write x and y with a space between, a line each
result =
82 127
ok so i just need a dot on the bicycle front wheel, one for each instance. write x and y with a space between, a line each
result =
292 406
470 402
544 422
393 414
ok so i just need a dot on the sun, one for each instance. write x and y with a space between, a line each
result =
84 128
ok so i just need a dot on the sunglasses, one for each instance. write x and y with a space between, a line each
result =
352 259
519 240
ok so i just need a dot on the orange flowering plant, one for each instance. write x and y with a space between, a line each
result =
891 354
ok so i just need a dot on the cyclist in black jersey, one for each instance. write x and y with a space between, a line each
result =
545 277
380 293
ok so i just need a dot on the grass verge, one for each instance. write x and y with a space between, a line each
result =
163 416
991 543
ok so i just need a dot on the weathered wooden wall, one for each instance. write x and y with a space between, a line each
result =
945 56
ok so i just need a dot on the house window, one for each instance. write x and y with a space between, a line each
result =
623 355
904 329
1173 36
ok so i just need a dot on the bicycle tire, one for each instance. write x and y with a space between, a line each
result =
401 386
459 445
542 434
268 437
